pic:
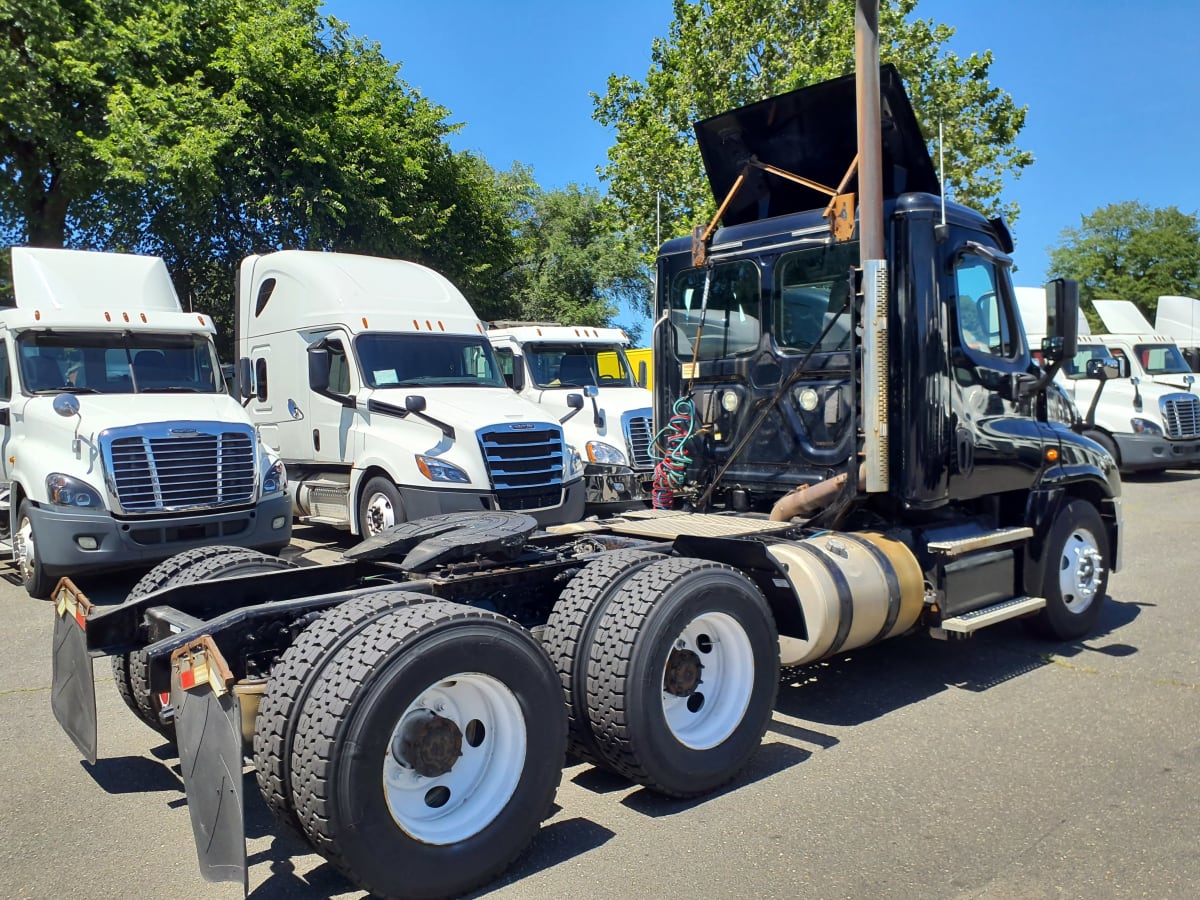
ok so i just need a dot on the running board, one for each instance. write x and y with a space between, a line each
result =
980 541
969 623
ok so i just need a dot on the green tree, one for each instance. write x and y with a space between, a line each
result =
721 54
1130 251
575 265
202 130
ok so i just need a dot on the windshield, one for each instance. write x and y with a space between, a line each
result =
811 293
577 365
1162 359
730 317
1076 366
399 360
113 362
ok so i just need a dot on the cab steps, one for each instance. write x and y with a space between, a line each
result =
977 619
998 538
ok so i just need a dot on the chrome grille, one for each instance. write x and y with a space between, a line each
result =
1181 415
639 426
180 466
525 463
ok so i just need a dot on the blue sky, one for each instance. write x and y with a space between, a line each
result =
1113 89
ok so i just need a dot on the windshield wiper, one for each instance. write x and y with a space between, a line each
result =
170 389
67 389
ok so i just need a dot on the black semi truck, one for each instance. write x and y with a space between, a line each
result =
854 445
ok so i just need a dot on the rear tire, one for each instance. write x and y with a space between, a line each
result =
683 675
569 633
131 671
429 751
1074 574
292 679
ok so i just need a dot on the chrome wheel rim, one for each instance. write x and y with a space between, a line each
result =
380 514
1080 570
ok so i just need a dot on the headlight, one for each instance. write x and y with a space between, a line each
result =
1145 426
276 479
599 452
63 490
574 463
439 470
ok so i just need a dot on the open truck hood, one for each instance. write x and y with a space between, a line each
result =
811 132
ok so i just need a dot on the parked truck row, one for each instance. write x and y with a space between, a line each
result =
861 449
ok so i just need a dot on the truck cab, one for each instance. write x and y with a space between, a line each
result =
582 377
120 445
376 383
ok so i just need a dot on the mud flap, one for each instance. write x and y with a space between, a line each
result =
73 685
208 726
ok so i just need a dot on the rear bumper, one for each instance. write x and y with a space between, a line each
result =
120 543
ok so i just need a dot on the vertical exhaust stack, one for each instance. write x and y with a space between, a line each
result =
871 244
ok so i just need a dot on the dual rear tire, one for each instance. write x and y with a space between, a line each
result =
426 742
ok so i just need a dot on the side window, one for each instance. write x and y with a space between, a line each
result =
339 367
985 322
505 358
5 373
260 378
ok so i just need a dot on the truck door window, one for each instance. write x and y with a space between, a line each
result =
1076 367
504 357
985 323
339 367
5 374
730 318
260 378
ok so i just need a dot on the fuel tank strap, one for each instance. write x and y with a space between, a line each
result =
844 596
889 576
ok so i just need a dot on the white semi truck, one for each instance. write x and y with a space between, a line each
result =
375 381
555 366
1148 419
120 444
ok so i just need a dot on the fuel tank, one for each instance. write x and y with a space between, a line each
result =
853 588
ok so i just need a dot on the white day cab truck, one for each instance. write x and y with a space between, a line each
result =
1146 415
375 382
582 377
120 444
851 464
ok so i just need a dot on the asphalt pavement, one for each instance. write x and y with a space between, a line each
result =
998 767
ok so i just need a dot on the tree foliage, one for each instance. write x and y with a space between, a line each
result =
575 266
721 54
203 130
1130 251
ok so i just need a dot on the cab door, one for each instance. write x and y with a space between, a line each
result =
997 444
6 382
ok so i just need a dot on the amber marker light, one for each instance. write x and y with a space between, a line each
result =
1051 454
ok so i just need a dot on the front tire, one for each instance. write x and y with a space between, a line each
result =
683 676
1074 574
429 751
37 583
379 507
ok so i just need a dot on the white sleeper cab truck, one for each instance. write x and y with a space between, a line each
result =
120 444
1146 418
556 366
1179 319
375 381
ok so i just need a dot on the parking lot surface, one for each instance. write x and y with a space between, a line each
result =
999 766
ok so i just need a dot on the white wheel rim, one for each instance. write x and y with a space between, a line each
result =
380 514
26 551
449 808
1080 570
713 710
